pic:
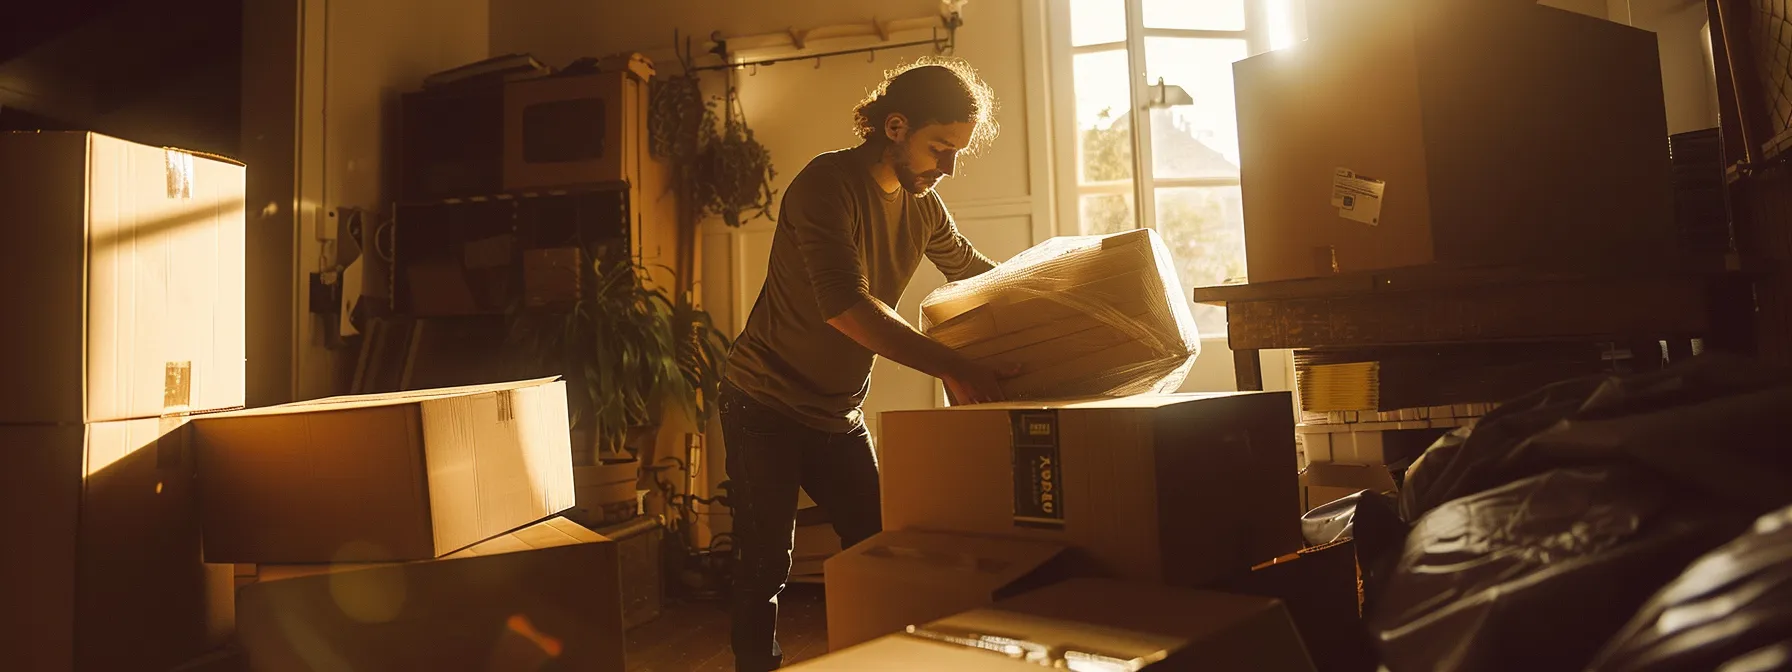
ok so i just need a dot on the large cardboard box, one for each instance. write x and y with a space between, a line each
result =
384 477
121 279
544 597
1097 624
1077 316
103 570
1178 488
900 578
1408 133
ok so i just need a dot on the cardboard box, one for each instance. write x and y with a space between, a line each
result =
1179 488
638 547
905 653
574 130
546 595
385 477
123 273
812 546
104 570
900 578
1452 146
1099 624
1077 315
1319 587
1326 482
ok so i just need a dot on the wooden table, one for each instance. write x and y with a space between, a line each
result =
1441 304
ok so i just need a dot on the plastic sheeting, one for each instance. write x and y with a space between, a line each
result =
1701 423
1535 575
1079 316
1539 532
1731 610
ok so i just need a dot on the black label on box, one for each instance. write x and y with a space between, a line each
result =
1038 479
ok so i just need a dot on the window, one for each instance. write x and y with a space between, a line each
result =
1170 62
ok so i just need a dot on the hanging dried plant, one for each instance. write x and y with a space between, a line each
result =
721 169
677 117
738 173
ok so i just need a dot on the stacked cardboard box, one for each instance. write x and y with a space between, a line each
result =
144 499
1093 624
992 499
122 283
1411 132
1076 315
406 531
544 596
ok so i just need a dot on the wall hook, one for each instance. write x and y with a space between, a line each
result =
872 58
817 62
755 72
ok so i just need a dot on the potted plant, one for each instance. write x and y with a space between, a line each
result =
628 351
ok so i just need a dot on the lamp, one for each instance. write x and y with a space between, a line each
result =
1169 95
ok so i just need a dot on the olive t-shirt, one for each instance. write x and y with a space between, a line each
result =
840 239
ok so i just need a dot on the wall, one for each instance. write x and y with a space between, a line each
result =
799 111
1686 77
558 31
372 50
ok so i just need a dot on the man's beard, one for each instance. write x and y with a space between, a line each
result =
918 184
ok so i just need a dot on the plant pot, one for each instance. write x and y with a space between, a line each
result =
604 494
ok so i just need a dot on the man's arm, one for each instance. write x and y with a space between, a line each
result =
828 240
873 325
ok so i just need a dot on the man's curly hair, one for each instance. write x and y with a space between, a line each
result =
931 90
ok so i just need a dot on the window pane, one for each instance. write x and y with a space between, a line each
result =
1199 139
1195 14
1097 22
1204 229
1106 213
1102 99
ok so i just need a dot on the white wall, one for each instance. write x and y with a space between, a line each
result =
372 51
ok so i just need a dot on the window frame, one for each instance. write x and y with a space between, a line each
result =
1144 183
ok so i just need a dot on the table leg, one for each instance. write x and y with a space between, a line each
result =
1248 367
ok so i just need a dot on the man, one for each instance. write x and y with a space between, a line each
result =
852 229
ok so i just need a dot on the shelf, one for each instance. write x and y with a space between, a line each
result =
596 187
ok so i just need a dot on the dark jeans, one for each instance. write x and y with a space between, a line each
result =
771 456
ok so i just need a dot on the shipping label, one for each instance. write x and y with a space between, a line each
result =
1038 474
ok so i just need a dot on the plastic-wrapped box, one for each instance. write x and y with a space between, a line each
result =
1080 316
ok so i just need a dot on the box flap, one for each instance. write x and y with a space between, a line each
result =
981 565
905 653
546 534
385 399
1145 623
1141 401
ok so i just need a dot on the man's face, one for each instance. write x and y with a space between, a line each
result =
922 157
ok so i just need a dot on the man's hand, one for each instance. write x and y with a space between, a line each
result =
873 325
973 383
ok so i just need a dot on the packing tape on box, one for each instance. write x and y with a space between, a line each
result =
180 174
177 386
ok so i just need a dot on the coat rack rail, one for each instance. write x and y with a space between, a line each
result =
941 44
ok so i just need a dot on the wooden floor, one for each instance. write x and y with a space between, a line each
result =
693 636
